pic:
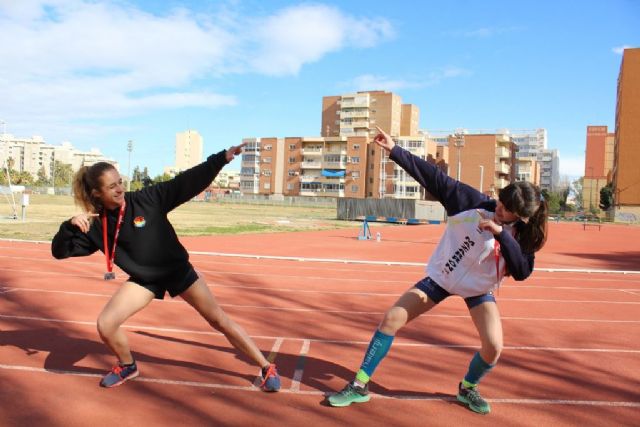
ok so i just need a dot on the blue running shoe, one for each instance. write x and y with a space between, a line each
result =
270 378
119 374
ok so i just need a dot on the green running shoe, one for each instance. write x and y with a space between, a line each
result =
351 393
471 397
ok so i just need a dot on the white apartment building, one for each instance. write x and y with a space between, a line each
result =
33 155
189 146
533 143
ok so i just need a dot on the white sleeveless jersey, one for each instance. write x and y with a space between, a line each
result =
464 262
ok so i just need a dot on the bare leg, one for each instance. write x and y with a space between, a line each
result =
200 297
486 318
127 301
410 305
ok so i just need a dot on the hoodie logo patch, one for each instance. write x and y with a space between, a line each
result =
139 221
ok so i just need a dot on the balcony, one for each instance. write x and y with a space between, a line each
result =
335 165
311 151
354 114
503 152
311 165
310 178
503 168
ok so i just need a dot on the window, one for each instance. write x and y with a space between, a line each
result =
371 167
370 180
266 160
267 186
355 159
356 146
355 174
268 147
290 186
354 188
266 172
292 159
292 172
292 147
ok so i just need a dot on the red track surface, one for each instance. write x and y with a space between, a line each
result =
572 353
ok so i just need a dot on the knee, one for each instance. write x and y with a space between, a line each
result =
491 352
394 319
106 326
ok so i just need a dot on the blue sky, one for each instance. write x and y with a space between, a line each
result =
100 73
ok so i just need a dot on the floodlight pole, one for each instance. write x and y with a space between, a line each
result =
129 149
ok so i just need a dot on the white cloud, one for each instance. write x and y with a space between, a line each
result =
368 82
304 34
70 60
620 49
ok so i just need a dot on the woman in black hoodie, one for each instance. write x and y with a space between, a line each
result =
132 230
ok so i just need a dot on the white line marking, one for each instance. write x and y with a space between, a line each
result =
297 374
352 261
325 341
631 404
365 294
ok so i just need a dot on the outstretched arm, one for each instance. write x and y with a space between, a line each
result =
454 195
187 185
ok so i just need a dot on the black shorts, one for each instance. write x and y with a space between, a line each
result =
437 293
175 284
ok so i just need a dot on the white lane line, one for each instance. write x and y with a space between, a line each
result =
271 357
299 371
325 341
163 381
364 294
367 262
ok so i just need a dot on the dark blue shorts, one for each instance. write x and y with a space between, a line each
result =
436 293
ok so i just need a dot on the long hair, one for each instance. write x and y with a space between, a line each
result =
525 200
85 181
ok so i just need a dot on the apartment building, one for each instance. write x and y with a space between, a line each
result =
598 164
34 156
189 146
626 173
533 144
342 162
486 162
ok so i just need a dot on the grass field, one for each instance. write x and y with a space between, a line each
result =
45 213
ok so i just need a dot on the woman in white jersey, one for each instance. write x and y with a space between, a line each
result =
484 241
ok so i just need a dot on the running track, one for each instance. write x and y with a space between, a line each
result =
311 301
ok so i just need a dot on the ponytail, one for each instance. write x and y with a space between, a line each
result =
533 236
85 181
525 200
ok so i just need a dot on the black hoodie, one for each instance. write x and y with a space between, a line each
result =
148 248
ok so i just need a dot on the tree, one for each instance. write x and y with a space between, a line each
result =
553 201
606 197
62 174
43 179
162 178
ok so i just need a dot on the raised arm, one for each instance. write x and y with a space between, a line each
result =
454 195
187 185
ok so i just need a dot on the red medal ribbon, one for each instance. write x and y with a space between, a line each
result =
111 258
496 253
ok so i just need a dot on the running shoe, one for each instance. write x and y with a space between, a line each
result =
351 393
471 397
270 378
119 374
